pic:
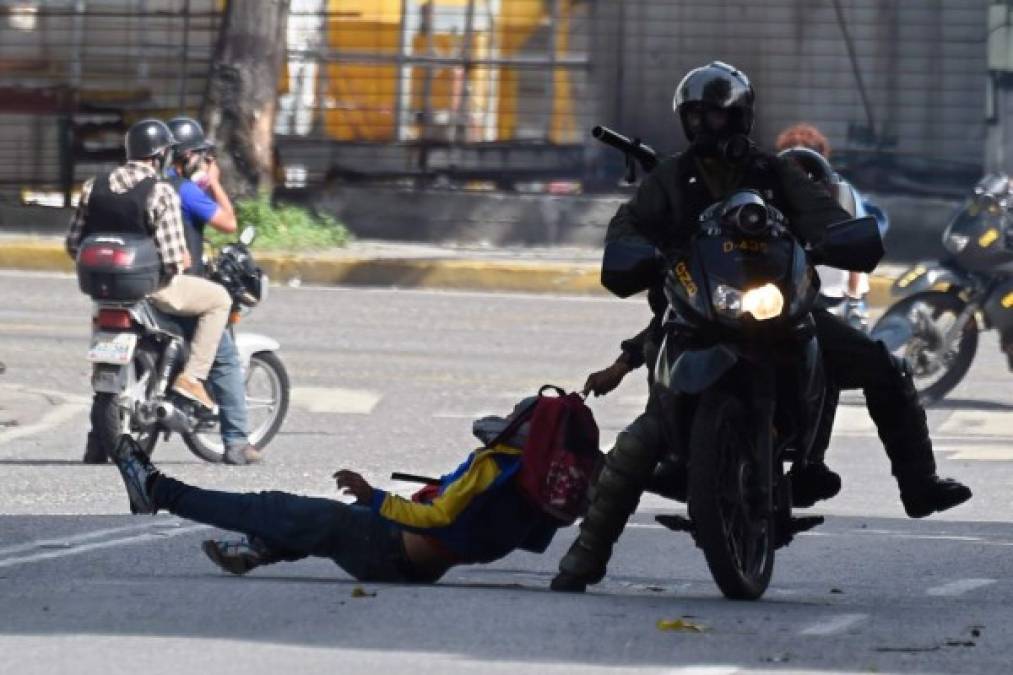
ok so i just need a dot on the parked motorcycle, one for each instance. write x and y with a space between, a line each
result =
741 371
945 304
137 350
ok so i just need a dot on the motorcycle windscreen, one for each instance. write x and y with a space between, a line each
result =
629 267
975 236
854 245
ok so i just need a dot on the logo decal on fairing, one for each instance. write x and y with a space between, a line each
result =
686 279
988 238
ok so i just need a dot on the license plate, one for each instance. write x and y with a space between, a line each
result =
115 348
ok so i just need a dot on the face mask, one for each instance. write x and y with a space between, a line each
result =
719 142
201 179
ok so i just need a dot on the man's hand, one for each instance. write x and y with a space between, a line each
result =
213 171
354 484
187 260
604 381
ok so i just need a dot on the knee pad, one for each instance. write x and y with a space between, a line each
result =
631 457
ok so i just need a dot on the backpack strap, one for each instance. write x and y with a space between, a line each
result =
523 416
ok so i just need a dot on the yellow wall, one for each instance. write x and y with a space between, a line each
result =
360 99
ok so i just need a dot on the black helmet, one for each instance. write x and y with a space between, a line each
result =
148 138
717 86
189 135
818 169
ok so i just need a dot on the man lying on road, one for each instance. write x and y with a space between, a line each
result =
476 515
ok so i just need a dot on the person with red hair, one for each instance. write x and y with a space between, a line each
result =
845 292
805 136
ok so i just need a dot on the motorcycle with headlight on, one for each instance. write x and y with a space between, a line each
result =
137 350
740 373
945 304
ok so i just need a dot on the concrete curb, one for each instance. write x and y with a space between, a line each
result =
574 278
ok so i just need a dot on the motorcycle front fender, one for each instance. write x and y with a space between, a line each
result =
925 276
696 370
248 344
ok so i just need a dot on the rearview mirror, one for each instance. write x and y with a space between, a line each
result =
854 245
247 236
629 267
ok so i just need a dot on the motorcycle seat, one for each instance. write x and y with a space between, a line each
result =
182 326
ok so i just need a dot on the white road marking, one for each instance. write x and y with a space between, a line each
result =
1000 452
335 400
55 417
964 423
959 587
109 543
65 542
834 625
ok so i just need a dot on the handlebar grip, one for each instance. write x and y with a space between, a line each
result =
644 154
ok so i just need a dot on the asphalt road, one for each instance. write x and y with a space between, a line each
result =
390 380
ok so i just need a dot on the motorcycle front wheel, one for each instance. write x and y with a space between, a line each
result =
936 369
725 498
267 397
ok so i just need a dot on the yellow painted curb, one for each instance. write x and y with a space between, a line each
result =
35 255
438 273
475 275
879 291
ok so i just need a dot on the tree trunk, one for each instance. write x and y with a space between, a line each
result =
239 108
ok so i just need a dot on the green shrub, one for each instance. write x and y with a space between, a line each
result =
284 228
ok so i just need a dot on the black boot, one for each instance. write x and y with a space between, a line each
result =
615 496
669 479
925 495
811 483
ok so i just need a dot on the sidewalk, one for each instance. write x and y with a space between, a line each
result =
566 270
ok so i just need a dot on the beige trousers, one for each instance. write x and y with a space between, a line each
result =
186 295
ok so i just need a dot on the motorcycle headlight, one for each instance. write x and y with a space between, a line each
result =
765 302
727 300
955 243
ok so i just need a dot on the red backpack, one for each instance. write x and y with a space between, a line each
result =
558 460
560 455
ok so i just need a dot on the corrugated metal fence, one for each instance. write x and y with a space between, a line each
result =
502 92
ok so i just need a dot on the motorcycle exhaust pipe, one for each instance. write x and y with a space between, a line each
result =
172 418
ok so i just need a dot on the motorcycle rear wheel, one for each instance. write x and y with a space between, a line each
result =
108 422
737 541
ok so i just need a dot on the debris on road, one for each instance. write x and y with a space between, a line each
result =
360 592
681 625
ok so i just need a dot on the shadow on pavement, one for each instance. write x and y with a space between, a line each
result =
971 404
165 588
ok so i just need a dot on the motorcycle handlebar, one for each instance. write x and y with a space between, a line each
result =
644 154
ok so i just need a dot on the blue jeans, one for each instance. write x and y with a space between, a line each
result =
293 527
229 391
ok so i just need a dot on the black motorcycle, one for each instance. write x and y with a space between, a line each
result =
740 372
946 303
137 350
